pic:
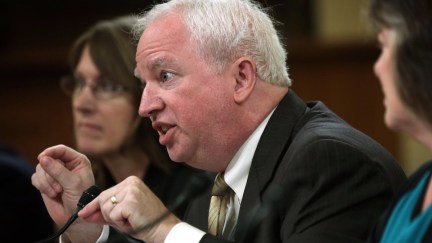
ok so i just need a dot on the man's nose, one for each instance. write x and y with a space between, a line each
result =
150 103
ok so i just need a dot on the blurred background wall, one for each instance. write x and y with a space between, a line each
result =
331 52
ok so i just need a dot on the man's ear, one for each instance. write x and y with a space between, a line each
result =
245 76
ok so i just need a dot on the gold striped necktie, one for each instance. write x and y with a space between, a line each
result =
218 206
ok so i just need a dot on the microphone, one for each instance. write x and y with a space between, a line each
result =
87 196
196 185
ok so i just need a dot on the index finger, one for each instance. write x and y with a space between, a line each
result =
69 157
92 212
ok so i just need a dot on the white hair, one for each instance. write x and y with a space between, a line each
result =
224 30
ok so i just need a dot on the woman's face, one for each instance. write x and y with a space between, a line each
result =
397 116
101 125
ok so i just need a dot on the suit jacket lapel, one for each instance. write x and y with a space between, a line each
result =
271 147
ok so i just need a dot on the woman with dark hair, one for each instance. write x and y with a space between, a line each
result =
105 98
404 69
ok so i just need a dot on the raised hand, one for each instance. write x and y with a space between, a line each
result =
61 176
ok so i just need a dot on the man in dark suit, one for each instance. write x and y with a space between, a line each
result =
326 181
217 91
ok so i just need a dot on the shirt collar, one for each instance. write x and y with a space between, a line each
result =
237 172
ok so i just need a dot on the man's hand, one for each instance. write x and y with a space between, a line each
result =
133 206
61 176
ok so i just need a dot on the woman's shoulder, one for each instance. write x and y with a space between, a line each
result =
419 173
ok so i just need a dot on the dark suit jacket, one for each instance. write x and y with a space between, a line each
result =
313 178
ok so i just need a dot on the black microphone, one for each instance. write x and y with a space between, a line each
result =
195 186
87 196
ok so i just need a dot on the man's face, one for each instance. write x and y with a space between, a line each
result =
187 103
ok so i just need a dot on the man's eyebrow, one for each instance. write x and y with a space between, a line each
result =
155 64
158 62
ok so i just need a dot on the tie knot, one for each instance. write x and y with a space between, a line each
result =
220 187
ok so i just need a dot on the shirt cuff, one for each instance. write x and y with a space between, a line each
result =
183 232
104 235
102 238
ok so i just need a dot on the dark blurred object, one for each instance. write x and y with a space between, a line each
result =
23 215
36 35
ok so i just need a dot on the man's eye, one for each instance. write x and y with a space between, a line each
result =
166 76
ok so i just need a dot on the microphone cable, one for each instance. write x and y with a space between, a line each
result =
87 196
